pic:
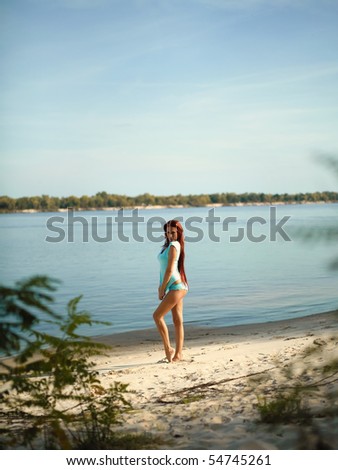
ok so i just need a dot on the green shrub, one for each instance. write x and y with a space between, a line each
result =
284 408
51 396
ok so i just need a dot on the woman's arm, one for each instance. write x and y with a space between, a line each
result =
168 272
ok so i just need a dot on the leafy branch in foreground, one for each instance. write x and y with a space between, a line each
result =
19 306
51 396
307 389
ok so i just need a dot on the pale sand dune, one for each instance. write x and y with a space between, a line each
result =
219 411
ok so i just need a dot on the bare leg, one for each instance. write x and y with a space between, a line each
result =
169 302
177 313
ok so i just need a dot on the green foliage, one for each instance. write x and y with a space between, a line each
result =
191 399
306 387
284 408
102 200
124 441
51 396
18 311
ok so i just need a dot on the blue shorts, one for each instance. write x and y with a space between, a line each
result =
178 286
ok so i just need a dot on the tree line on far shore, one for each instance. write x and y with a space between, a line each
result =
103 199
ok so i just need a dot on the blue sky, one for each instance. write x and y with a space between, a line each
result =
167 96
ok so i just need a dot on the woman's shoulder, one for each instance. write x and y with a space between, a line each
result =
176 244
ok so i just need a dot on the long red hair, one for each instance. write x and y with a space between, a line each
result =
180 238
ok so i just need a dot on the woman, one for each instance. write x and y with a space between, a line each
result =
173 288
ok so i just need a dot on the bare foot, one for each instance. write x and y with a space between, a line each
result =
169 354
177 358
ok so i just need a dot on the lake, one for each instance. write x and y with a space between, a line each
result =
242 266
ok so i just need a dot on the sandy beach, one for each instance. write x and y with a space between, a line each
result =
209 400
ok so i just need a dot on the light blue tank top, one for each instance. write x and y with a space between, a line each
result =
163 259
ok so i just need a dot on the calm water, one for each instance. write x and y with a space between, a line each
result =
230 282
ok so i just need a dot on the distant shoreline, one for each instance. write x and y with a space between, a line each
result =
170 206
